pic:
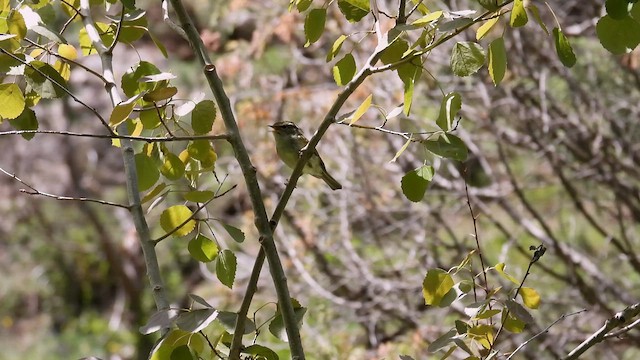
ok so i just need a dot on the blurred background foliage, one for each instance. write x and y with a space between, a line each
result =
554 157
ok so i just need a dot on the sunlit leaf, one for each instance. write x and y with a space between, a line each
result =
203 249
518 14
335 48
401 150
366 104
174 217
500 268
484 29
451 104
530 297
67 51
435 286
199 196
354 10
12 101
172 167
196 320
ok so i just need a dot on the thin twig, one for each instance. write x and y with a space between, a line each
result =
35 191
149 139
193 215
546 330
73 96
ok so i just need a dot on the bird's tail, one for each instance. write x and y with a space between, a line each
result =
333 183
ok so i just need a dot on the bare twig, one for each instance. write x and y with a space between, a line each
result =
34 191
149 139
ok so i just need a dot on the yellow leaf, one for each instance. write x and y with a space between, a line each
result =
530 297
366 104
500 268
67 51
486 27
176 217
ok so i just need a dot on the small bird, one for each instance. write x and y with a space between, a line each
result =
289 142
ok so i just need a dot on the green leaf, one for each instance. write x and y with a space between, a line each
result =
428 19
160 94
150 119
16 24
182 352
491 5
617 9
199 196
303 5
409 74
487 313
12 102
147 171
618 36
497 60
511 323
159 45
51 35
203 116
173 167
402 149
236 234
261 352
451 104
415 183
226 264
131 84
442 341
196 320
202 151
121 112
366 104
448 146
518 14
354 10
536 16
25 121
45 80
335 48
277 328
435 286
563 48
344 70
175 339
153 193
314 25
394 51
519 311
203 249
530 297
173 217
466 58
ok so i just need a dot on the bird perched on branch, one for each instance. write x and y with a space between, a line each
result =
289 143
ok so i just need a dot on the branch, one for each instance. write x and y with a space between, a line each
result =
133 193
249 172
149 139
601 334
72 95
35 191
546 330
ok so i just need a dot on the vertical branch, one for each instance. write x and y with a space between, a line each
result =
133 194
249 172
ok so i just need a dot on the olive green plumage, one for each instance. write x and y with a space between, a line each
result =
289 142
